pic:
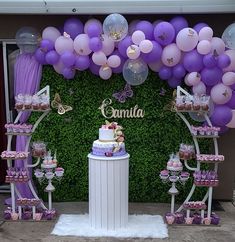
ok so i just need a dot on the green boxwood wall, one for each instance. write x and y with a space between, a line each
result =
149 141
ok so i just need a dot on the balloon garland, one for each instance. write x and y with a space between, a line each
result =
174 50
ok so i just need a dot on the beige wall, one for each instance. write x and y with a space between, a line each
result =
9 24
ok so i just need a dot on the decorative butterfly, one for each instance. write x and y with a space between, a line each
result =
122 95
61 108
162 92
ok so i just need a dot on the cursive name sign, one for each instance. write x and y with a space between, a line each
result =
109 112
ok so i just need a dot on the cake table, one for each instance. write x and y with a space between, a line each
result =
108 191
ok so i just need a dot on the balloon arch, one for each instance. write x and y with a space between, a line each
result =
174 50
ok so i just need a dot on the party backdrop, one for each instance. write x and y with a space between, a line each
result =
149 140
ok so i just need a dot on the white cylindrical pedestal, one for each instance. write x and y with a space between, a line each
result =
108 191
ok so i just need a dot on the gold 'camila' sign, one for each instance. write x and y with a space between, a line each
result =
109 112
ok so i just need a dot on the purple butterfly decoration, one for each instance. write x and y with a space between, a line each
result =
162 92
122 95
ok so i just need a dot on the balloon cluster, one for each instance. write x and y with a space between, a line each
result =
172 49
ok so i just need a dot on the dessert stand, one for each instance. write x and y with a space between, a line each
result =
15 176
201 178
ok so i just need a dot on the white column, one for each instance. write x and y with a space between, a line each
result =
108 191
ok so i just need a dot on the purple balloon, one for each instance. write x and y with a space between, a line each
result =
192 61
146 27
179 23
123 45
165 73
164 33
73 27
95 44
221 116
179 71
232 86
211 76
47 45
199 26
94 68
40 56
231 102
82 62
52 57
174 82
68 73
223 61
68 58
209 61
154 55
94 30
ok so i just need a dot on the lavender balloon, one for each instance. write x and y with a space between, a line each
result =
179 23
120 67
73 27
193 61
95 44
221 116
147 28
209 60
164 33
94 68
123 45
174 82
40 56
47 45
68 73
82 62
154 55
211 76
223 61
165 73
199 26
94 29
179 71
52 57
68 58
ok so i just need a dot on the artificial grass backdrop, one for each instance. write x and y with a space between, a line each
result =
149 140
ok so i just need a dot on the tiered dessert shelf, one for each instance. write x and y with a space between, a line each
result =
210 186
14 190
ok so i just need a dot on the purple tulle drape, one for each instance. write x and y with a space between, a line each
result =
27 76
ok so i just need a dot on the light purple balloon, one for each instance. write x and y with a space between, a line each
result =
120 67
174 82
223 61
40 56
63 44
146 27
179 23
82 62
199 26
94 30
68 58
211 76
105 73
51 33
52 57
231 102
94 68
59 66
95 44
154 55
221 94
123 45
164 33
73 27
47 45
165 73
178 71
192 61
209 60
221 116
68 73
